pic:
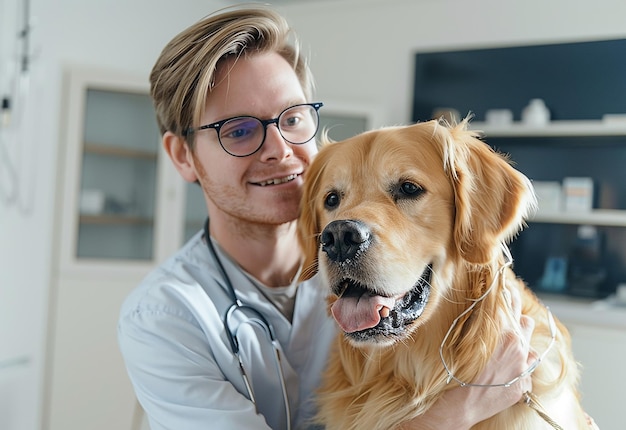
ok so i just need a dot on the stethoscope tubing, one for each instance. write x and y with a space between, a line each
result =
257 319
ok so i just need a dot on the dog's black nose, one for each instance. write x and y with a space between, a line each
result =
343 240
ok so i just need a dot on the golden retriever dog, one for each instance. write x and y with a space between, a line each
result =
407 227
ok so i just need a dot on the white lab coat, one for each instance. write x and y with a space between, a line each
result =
179 359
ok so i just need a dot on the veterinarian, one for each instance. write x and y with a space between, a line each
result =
222 335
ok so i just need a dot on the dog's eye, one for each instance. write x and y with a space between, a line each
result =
409 189
406 190
331 201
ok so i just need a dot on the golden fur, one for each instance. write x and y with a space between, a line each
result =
427 194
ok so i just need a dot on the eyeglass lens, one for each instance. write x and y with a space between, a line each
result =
245 135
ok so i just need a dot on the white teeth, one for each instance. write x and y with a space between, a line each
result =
278 180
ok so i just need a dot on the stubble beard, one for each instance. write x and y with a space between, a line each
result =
244 210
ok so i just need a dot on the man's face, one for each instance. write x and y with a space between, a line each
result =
266 186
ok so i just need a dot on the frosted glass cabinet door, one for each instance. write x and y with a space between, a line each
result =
195 210
118 176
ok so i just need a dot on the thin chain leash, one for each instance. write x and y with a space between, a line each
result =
533 402
529 398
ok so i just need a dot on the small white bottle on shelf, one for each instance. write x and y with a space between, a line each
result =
536 113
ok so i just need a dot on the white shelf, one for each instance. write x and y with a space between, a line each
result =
566 128
600 217
554 129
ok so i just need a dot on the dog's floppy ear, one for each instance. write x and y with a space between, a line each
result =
492 199
308 222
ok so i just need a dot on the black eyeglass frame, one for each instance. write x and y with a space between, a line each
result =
264 122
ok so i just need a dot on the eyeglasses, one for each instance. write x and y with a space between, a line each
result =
244 135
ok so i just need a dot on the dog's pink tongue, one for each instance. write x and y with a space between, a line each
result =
360 313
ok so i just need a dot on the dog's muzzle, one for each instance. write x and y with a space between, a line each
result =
361 312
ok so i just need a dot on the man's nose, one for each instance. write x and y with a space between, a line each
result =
275 146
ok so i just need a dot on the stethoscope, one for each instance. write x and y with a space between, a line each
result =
253 317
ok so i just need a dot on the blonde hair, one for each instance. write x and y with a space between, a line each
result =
185 71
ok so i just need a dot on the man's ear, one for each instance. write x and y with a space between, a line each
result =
180 153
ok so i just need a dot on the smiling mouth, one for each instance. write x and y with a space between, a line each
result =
277 181
364 315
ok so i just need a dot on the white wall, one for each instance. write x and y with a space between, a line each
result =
361 52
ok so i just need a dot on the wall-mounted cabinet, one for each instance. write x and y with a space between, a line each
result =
120 143
123 206
111 174
582 251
